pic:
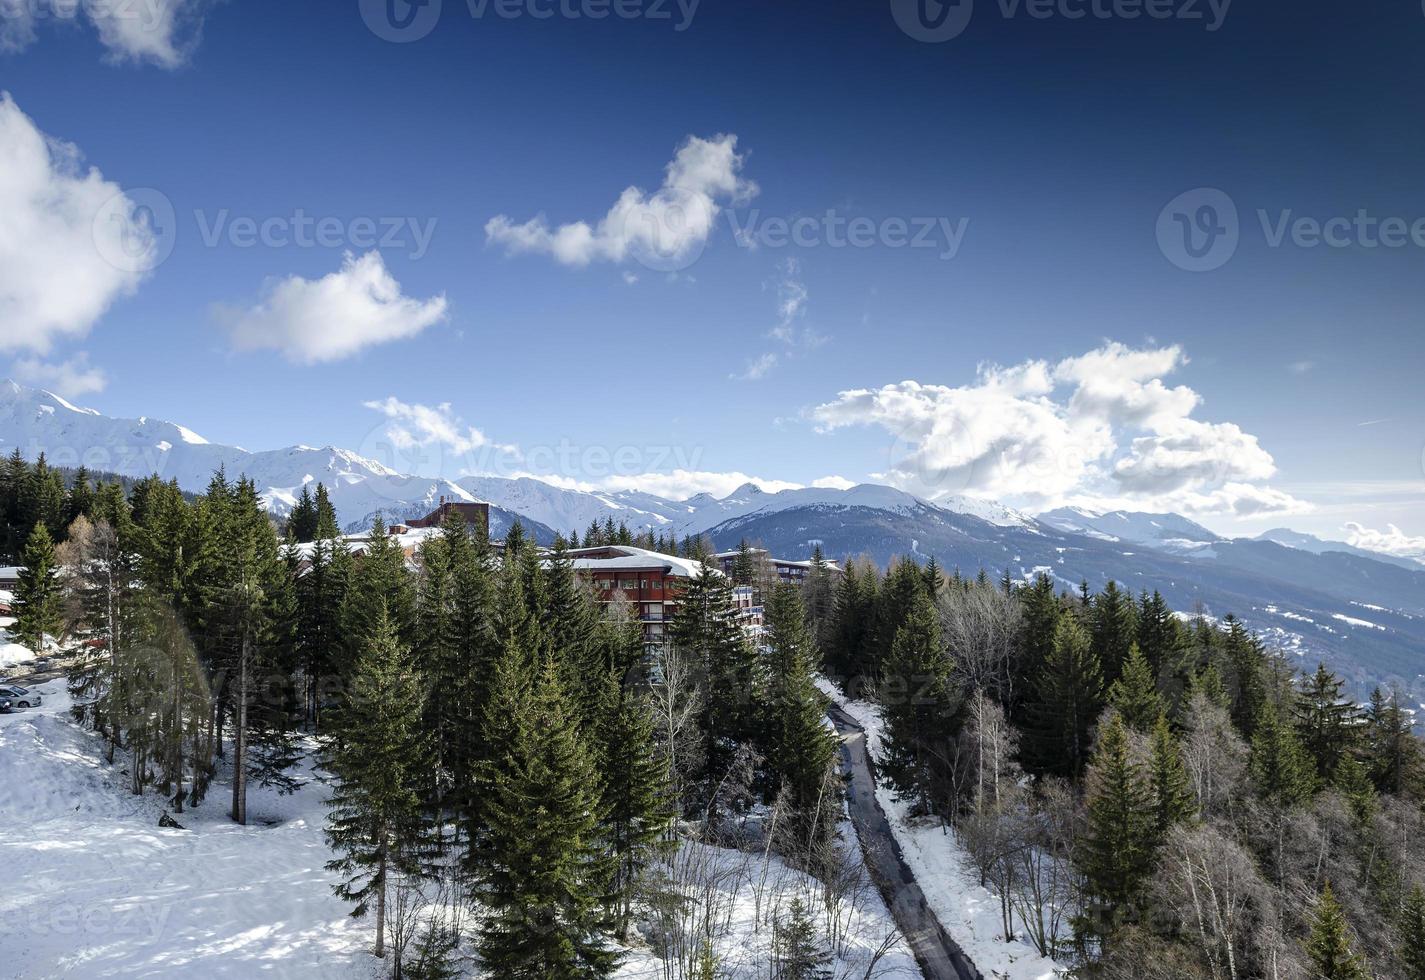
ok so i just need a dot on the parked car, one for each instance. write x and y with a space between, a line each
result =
21 697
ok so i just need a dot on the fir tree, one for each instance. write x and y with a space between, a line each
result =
1135 694
1116 851
1168 782
635 793
1245 664
920 706
734 678
798 953
1329 945
800 750
1412 935
1114 628
1069 696
541 885
38 610
302 523
1325 722
326 523
1281 770
1392 752
376 822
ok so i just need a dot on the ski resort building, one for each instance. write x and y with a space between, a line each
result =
794 572
647 580
476 513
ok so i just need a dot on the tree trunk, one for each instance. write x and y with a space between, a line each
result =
240 740
380 950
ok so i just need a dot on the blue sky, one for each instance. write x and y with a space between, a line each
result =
1040 151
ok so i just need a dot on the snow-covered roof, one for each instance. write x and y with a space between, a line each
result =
627 556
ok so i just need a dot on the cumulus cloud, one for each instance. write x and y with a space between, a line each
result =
159 32
315 320
414 425
1391 541
666 229
71 242
72 378
1100 429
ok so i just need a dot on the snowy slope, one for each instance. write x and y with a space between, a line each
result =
94 888
1171 532
1318 546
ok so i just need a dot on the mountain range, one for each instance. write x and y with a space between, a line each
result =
1361 611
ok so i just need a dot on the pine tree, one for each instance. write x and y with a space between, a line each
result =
326 523
1280 768
705 629
1245 664
378 579
541 884
1159 634
1412 935
38 611
1168 781
635 792
302 524
1325 722
1135 694
819 599
798 953
376 822
1116 851
920 706
1392 752
1069 695
1114 627
1329 945
800 750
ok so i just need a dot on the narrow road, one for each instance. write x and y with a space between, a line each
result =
939 956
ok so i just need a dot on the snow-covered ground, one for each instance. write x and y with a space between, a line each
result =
95 888
968 911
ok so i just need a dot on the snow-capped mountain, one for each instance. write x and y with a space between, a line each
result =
1169 532
1364 612
1320 546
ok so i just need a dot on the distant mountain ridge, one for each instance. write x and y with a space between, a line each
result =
1362 611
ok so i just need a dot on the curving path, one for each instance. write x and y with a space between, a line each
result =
939 956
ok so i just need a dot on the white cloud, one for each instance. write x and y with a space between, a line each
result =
792 336
161 32
71 242
758 367
1391 541
312 321
1101 429
72 378
666 229
413 425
